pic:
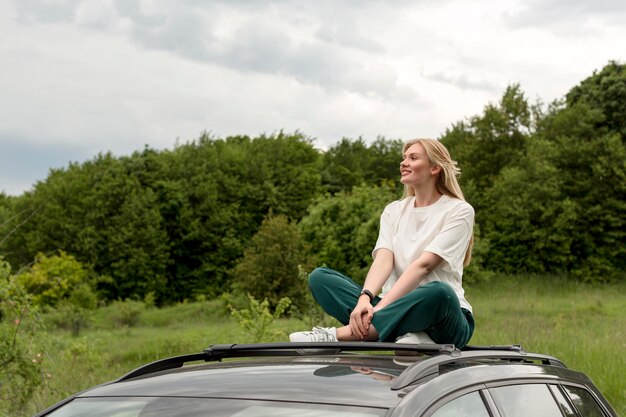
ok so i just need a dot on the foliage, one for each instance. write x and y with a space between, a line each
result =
62 284
606 92
591 166
173 223
127 313
53 278
257 318
100 213
6 212
549 187
547 184
486 144
76 312
351 163
81 350
21 343
342 229
270 265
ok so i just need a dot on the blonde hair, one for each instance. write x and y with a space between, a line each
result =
447 182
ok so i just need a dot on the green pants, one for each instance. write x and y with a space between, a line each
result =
432 308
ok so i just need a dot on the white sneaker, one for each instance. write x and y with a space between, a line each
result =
416 338
318 334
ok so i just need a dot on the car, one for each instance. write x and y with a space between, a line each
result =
345 379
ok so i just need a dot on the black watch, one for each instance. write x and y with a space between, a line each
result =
368 293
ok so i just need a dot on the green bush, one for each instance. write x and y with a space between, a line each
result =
22 343
76 312
257 318
270 265
342 229
53 278
127 313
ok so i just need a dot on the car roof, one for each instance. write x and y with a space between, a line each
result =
358 373
323 379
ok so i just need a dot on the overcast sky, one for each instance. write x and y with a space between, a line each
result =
79 77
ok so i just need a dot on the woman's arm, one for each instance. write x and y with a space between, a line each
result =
379 271
361 315
410 278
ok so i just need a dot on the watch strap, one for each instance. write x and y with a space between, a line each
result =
368 293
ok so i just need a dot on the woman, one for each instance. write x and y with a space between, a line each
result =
424 242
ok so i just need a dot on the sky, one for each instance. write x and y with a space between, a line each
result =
79 77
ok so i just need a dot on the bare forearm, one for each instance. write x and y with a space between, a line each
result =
410 278
379 271
362 313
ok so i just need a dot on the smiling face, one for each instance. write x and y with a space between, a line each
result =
416 168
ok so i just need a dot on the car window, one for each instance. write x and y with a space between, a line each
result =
469 405
566 406
203 407
526 400
584 402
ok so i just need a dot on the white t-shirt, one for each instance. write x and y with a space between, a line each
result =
443 228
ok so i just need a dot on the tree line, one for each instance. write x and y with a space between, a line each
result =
220 214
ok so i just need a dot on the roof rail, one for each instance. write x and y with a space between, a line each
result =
513 353
164 364
221 351
514 348
321 348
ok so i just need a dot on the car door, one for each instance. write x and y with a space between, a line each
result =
522 400
546 400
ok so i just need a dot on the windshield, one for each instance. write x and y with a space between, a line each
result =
200 407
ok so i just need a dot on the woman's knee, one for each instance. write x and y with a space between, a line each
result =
319 277
440 291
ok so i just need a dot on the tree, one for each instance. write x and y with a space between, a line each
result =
99 213
171 223
487 143
219 192
592 169
556 203
528 220
352 162
605 91
342 229
269 268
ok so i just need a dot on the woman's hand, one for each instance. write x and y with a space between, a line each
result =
361 317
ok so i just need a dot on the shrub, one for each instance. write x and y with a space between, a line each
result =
269 267
52 279
127 313
75 313
342 229
257 318
21 344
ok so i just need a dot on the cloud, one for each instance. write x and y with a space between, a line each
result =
100 75
348 33
568 17
31 11
464 81
286 43
334 52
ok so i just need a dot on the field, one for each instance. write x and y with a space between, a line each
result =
583 325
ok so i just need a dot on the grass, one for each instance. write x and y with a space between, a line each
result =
581 324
